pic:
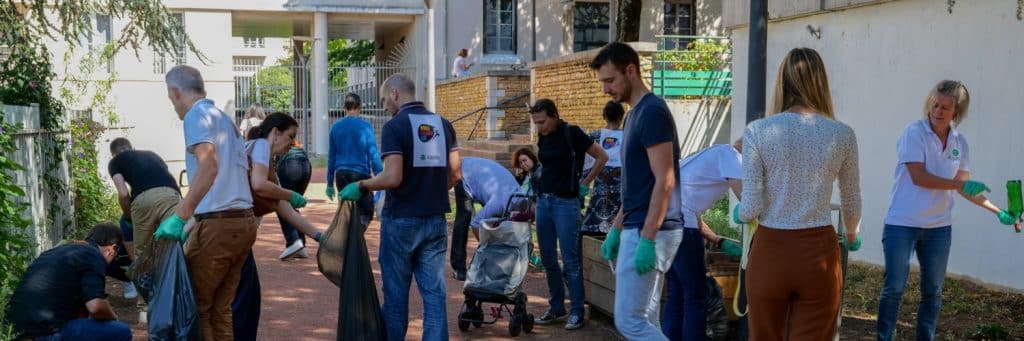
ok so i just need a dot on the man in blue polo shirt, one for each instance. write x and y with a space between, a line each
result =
421 163
483 182
649 222
219 202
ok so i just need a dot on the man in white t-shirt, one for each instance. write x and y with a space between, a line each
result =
219 202
704 178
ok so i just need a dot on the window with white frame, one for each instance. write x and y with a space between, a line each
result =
589 25
99 34
254 42
679 22
160 62
500 26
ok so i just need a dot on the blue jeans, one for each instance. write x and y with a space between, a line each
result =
932 249
87 329
685 317
413 246
638 296
558 227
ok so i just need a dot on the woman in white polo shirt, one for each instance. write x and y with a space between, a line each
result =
932 164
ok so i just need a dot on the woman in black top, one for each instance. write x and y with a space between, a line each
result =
560 189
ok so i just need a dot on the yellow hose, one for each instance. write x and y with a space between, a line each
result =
747 234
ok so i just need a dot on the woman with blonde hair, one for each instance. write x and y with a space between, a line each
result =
932 164
790 161
253 117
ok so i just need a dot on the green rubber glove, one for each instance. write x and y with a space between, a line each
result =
854 246
732 248
297 200
351 192
610 246
645 256
1007 218
736 215
330 192
584 190
973 188
171 228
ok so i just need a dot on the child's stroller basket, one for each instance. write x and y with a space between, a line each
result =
497 271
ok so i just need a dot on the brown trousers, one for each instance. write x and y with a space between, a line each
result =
215 252
794 282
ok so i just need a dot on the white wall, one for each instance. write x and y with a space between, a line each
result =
882 60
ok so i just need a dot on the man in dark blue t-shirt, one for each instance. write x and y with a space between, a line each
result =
649 222
421 163
62 294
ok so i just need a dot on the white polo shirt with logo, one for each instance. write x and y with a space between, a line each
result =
915 206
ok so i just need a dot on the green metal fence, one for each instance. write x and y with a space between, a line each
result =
692 66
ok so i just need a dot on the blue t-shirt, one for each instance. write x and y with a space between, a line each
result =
204 123
353 148
488 183
424 140
648 123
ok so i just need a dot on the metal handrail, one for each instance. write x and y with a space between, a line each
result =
479 112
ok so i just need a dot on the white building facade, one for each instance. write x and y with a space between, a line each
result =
882 59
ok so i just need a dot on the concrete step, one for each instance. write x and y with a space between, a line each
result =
503 158
521 138
494 145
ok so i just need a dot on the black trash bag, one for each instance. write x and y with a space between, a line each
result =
173 314
714 309
245 308
359 316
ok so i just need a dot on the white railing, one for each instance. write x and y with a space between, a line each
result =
31 142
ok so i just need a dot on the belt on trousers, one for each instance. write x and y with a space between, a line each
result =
237 213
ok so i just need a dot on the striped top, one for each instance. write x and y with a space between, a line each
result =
790 162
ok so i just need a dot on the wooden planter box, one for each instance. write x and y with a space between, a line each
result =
599 280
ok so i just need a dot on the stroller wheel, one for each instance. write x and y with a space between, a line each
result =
515 324
477 315
464 318
528 323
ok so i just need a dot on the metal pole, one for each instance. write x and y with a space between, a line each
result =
533 26
757 51
757 59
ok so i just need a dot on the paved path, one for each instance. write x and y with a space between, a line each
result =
300 304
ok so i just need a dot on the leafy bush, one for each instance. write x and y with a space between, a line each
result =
94 201
718 218
994 331
16 249
699 55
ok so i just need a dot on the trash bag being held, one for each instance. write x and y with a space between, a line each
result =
173 314
343 259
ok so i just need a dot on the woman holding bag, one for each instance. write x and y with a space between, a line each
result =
273 137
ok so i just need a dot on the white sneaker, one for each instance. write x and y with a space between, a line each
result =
129 291
292 250
303 254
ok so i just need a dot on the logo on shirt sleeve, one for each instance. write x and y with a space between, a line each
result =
427 132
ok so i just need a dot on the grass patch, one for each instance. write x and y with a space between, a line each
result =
969 311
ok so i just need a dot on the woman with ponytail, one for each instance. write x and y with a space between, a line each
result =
273 137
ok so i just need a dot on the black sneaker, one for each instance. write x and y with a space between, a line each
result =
574 322
549 318
459 275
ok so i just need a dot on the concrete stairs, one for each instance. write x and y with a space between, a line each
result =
497 150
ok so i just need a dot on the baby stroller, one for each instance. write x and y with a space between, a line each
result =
498 268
